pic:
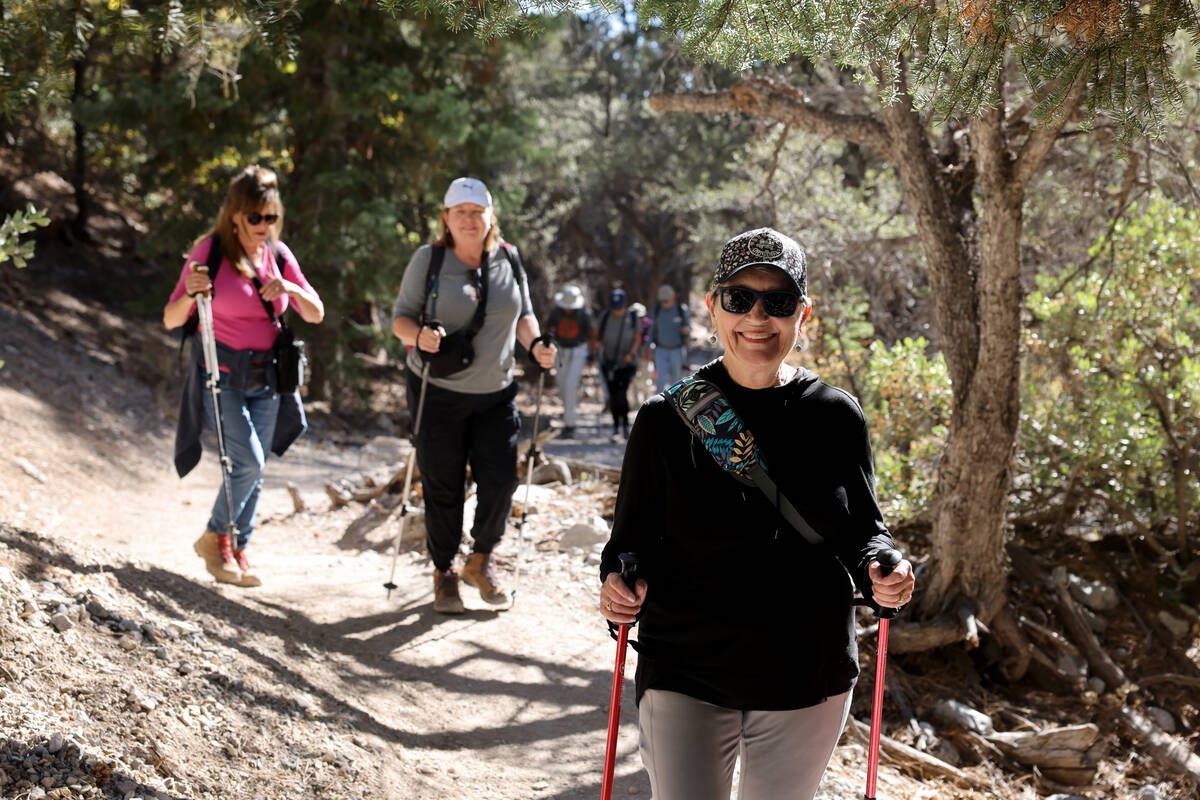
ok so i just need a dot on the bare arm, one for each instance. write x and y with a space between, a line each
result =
195 281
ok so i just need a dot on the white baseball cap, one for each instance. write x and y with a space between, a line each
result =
467 190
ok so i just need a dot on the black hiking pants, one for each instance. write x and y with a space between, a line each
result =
458 429
618 378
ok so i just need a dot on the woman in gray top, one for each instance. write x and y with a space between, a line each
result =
476 289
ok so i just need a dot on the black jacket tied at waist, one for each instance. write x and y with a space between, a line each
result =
290 421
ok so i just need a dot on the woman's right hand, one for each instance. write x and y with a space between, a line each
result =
617 603
429 339
196 281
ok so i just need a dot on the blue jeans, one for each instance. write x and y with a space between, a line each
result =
669 363
248 419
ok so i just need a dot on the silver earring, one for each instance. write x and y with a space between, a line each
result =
712 338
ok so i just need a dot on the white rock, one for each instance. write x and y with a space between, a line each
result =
956 713
581 535
1162 718
1093 594
61 622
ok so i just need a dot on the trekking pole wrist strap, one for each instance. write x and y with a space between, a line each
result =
545 340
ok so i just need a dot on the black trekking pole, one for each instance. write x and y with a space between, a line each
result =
548 340
629 563
408 469
888 559
212 368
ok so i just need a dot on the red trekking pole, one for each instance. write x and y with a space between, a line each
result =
628 574
888 559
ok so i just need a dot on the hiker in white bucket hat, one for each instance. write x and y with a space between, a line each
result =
571 325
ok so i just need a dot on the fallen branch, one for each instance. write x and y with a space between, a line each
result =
1167 751
1170 677
1072 618
912 759
297 500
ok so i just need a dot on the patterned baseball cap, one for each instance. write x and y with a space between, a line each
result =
763 247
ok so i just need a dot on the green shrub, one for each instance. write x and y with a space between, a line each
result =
1112 377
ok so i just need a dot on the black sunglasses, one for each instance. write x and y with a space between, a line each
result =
776 302
255 218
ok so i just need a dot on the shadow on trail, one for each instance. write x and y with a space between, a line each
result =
557 684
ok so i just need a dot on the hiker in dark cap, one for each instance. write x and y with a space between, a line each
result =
616 342
747 627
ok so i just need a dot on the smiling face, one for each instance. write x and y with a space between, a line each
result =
756 343
468 223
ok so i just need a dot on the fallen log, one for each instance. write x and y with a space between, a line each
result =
612 474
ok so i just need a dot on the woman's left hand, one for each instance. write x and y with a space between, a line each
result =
544 354
895 589
275 288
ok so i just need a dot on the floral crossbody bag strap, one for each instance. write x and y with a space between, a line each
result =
715 423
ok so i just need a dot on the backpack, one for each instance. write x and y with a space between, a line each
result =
635 323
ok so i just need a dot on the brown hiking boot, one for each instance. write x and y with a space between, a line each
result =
479 573
446 598
248 577
217 551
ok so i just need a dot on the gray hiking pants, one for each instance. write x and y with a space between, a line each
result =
689 747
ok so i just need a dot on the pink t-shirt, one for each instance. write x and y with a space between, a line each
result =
239 319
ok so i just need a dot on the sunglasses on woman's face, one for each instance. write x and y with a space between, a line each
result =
255 218
776 302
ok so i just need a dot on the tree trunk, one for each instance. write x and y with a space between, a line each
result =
79 167
974 476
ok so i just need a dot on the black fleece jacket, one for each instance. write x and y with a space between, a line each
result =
740 610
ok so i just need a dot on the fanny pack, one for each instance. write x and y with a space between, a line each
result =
715 423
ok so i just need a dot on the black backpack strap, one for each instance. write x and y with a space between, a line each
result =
432 274
268 306
476 323
213 262
715 423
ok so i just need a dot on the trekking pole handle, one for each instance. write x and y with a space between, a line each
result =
629 565
546 340
888 560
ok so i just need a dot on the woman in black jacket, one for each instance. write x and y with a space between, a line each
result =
747 629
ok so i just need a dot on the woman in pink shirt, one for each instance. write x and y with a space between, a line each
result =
256 269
